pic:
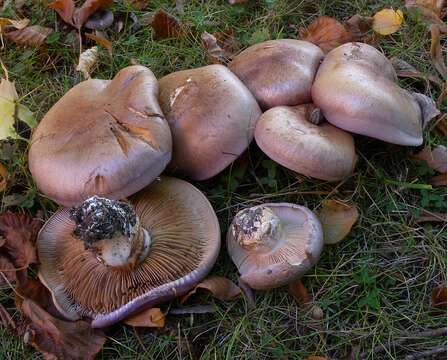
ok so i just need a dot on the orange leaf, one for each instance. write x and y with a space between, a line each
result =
30 36
436 52
439 297
166 26
65 9
435 158
299 293
220 287
387 21
152 318
4 177
326 32
337 219
440 180
82 14
100 40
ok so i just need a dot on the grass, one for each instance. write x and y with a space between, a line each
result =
374 287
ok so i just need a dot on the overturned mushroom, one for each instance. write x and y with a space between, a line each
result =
212 117
287 135
104 137
274 244
356 90
278 72
107 259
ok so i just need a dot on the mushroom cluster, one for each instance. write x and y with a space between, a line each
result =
129 237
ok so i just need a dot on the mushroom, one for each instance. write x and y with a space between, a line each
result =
100 20
274 244
356 90
212 117
107 259
103 137
323 151
278 72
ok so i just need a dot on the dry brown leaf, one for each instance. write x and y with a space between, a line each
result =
326 32
6 23
430 9
7 271
359 26
87 60
439 297
435 158
65 9
30 36
387 21
220 47
337 219
436 52
427 216
404 69
5 319
220 287
100 40
440 180
152 318
81 14
166 26
3 177
300 293
58 339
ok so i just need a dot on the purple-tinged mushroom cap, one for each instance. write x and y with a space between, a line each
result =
107 259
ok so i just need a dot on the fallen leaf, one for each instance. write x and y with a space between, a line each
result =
359 26
428 216
220 287
3 177
15 24
435 158
87 60
326 32
152 318
220 47
30 36
387 21
6 320
440 180
436 52
58 339
337 219
404 69
81 14
299 293
166 26
100 40
7 271
65 9
439 297
429 9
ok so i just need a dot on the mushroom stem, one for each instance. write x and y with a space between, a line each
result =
255 227
111 230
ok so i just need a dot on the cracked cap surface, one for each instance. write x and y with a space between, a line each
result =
103 137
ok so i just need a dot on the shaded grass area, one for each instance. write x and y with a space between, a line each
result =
374 287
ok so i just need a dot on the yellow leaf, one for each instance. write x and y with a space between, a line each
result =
387 21
87 60
337 219
8 96
152 317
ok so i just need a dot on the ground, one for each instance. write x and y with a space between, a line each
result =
374 287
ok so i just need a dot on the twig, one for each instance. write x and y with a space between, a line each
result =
423 354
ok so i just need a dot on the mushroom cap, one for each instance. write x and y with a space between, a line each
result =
103 137
320 151
356 90
278 72
297 250
212 116
185 242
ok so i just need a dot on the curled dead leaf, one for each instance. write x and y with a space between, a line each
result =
3 177
30 36
326 32
404 69
220 47
387 21
359 26
337 219
152 318
440 180
435 158
87 60
299 293
220 287
436 52
65 9
439 297
166 25
101 40
81 15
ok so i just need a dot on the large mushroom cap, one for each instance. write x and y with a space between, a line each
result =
356 90
320 151
185 241
212 117
274 244
104 137
278 72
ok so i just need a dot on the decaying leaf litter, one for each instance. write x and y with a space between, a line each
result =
364 278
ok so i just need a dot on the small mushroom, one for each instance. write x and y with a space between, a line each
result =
278 72
356 89
107 259
100 20
274 244
103 137
287 136
212 117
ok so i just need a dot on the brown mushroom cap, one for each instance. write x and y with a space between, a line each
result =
212 117
103 137
278 72
274 244
356 90
185 241
320 151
